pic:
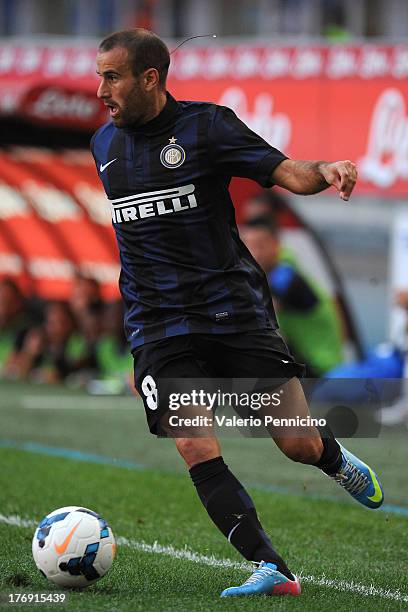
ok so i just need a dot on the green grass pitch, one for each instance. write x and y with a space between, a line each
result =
170 556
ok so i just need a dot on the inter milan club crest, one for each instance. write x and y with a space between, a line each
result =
172 155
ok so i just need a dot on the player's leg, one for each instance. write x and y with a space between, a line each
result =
226 500
304 444
266 356
319 447
233 512
223 496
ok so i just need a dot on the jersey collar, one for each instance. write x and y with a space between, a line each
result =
162 120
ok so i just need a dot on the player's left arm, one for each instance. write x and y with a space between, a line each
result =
308 177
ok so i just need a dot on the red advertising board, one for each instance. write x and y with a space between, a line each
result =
338 102
312 102
315 102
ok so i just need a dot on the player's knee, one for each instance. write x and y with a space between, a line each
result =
197 450
303 450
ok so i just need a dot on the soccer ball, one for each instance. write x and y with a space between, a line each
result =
73 547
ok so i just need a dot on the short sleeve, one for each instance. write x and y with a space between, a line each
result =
235 150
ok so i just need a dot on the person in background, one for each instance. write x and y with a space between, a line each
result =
86 292
50 351
306 314
14 323
106 354
112 352
266 203
90 323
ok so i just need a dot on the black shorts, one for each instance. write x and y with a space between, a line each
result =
253 354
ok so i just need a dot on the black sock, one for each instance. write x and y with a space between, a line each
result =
331 458
233 511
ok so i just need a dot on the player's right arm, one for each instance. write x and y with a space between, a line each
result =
308 177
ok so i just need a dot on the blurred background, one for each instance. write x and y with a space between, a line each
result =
318 79
237 18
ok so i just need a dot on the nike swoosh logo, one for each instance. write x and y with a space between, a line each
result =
232 531
61 548
103 167
378 495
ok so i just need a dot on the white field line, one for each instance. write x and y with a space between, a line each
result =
17 521
189 555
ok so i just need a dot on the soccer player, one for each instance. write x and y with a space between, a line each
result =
197 304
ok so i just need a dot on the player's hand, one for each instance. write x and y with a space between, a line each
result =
342 175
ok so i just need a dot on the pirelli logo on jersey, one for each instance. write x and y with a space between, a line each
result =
153 204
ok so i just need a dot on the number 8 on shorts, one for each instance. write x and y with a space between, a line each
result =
150 392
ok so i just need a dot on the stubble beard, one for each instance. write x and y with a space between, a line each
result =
134 114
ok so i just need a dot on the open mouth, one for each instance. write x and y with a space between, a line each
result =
113 109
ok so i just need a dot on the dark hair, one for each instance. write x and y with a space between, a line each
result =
11 284
275 200
96 309
263 222
145 49
61 305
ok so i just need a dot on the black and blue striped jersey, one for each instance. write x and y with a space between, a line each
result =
184 268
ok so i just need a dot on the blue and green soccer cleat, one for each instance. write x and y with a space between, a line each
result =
359 480
266 580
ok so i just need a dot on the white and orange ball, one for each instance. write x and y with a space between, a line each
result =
73 547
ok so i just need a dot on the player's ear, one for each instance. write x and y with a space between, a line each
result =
151 79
